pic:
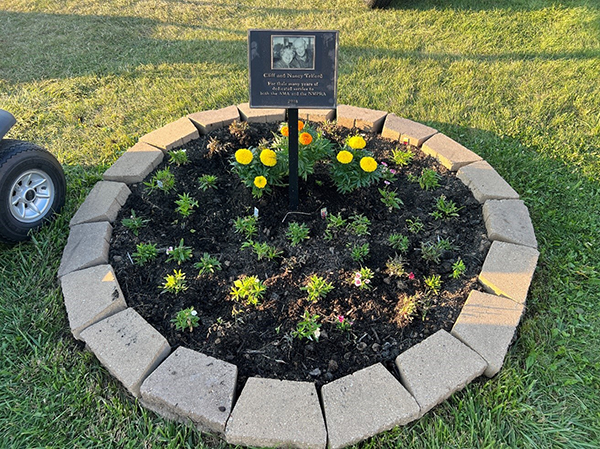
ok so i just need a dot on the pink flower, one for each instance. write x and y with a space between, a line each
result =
169 249
384 164
392 171
411 276
357 282
358 275
341 318
387 183
367 281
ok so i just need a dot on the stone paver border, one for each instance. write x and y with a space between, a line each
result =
138 356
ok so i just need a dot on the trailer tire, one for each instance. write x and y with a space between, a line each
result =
32 188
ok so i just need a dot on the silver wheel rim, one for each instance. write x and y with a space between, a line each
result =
31 196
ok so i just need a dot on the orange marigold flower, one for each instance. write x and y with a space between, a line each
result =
300 125
368 164
305 139
357 142
268 157
285 130
345 157
243 156
260 182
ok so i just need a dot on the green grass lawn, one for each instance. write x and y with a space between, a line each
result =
516 81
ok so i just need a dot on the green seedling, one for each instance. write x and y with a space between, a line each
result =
162 180
144 252
458 269
179 253
175 283
359 225
246 226
434 283
308 328
402 158
359 252
248 289
317 287
296 233
185 205
134 223
186 319
207 264
207 182
178 157
415 225
399 242
262 250
390 199
429 179
445 209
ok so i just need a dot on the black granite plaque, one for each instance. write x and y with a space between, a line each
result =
293 69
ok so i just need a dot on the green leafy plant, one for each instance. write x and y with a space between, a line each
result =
359 252
144 252
401 157
162 180
178 157
179 253
262 250
207 182
445 209
308 327
362 278
432 251
134 223
433 283
186 318
207 264
399 242
359 225
185 205
458 269
249 289
335 223
390 199
175 283
415 225
343 324
429 179
395 266
412 178
297 232
317 287
246 226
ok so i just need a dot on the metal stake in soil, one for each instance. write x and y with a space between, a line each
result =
293 157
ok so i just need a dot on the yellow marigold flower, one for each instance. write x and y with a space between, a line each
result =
285 130
243 156
368 164
357 142
300 125
305 138
260 182
268 157
345 157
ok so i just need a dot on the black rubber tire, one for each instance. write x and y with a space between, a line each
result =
378 4
16 159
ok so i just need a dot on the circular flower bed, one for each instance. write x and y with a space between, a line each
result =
383 251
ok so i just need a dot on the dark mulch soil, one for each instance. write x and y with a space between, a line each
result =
258 340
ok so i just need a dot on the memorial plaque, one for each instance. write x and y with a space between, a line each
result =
293 69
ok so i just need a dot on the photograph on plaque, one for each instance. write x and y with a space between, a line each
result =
293 52
292 68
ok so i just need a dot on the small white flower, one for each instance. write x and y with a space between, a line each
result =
358 275
159 184
193 312
317 334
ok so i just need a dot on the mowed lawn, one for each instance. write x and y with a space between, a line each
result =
517 81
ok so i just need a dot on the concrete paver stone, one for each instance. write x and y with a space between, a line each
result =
172 135
87 246
206 121
509 221
487 324
127 346
364 404
135 164
485 182
438 367
317 115
277 413
406 131
259 115
362 118
508 270
450 153
91 295
192 386
103 203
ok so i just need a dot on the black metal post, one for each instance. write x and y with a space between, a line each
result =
293 153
